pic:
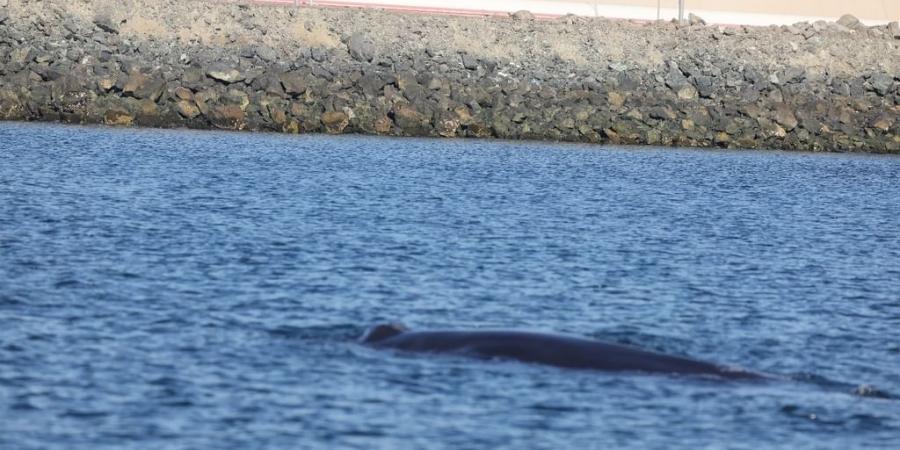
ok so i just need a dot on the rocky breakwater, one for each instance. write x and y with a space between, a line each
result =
821 86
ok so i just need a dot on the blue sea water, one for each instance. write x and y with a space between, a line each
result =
181 289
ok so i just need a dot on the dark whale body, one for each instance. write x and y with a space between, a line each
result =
550 349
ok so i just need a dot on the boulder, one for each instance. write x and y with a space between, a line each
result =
383 125
118 116
205 99
882 122
894 29
183 94
335 121
448 127
187 109
133 82
615 99
694 19
770 129
469 62
522 16
361 47
294 83
148 114
142 86
479 130
266 53
785 117
227 117
881 83
687 92
849 21
237 98
105 23
4 16
152 90
371 84
22 55
225 74
411 120
279 117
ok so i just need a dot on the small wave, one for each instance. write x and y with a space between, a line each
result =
178 403
127 275
860 390
858 422
66 283
341 332
6 300
23 406
865 390
79 414
554 408
662 344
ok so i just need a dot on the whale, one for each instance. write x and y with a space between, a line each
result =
570 352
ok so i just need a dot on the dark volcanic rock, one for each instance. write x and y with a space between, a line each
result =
881 83
294 83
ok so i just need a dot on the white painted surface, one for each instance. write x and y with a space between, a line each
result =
581 8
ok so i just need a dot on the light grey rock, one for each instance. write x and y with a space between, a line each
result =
849 21
522 16
294 83
105 23
694 19
785 117
881 83
841 28
894 29
266 53
361 47
469 62
225 74
687 92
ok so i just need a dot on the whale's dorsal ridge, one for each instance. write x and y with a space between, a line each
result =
382 331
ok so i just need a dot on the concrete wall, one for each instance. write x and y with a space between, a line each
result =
743 12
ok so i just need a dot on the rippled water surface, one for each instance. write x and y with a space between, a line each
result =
177 289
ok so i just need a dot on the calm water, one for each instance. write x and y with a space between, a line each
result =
177 289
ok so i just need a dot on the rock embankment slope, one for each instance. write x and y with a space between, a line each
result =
168 63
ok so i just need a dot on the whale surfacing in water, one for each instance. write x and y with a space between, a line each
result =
549 349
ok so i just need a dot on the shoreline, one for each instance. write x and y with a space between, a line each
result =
201 65
512 142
